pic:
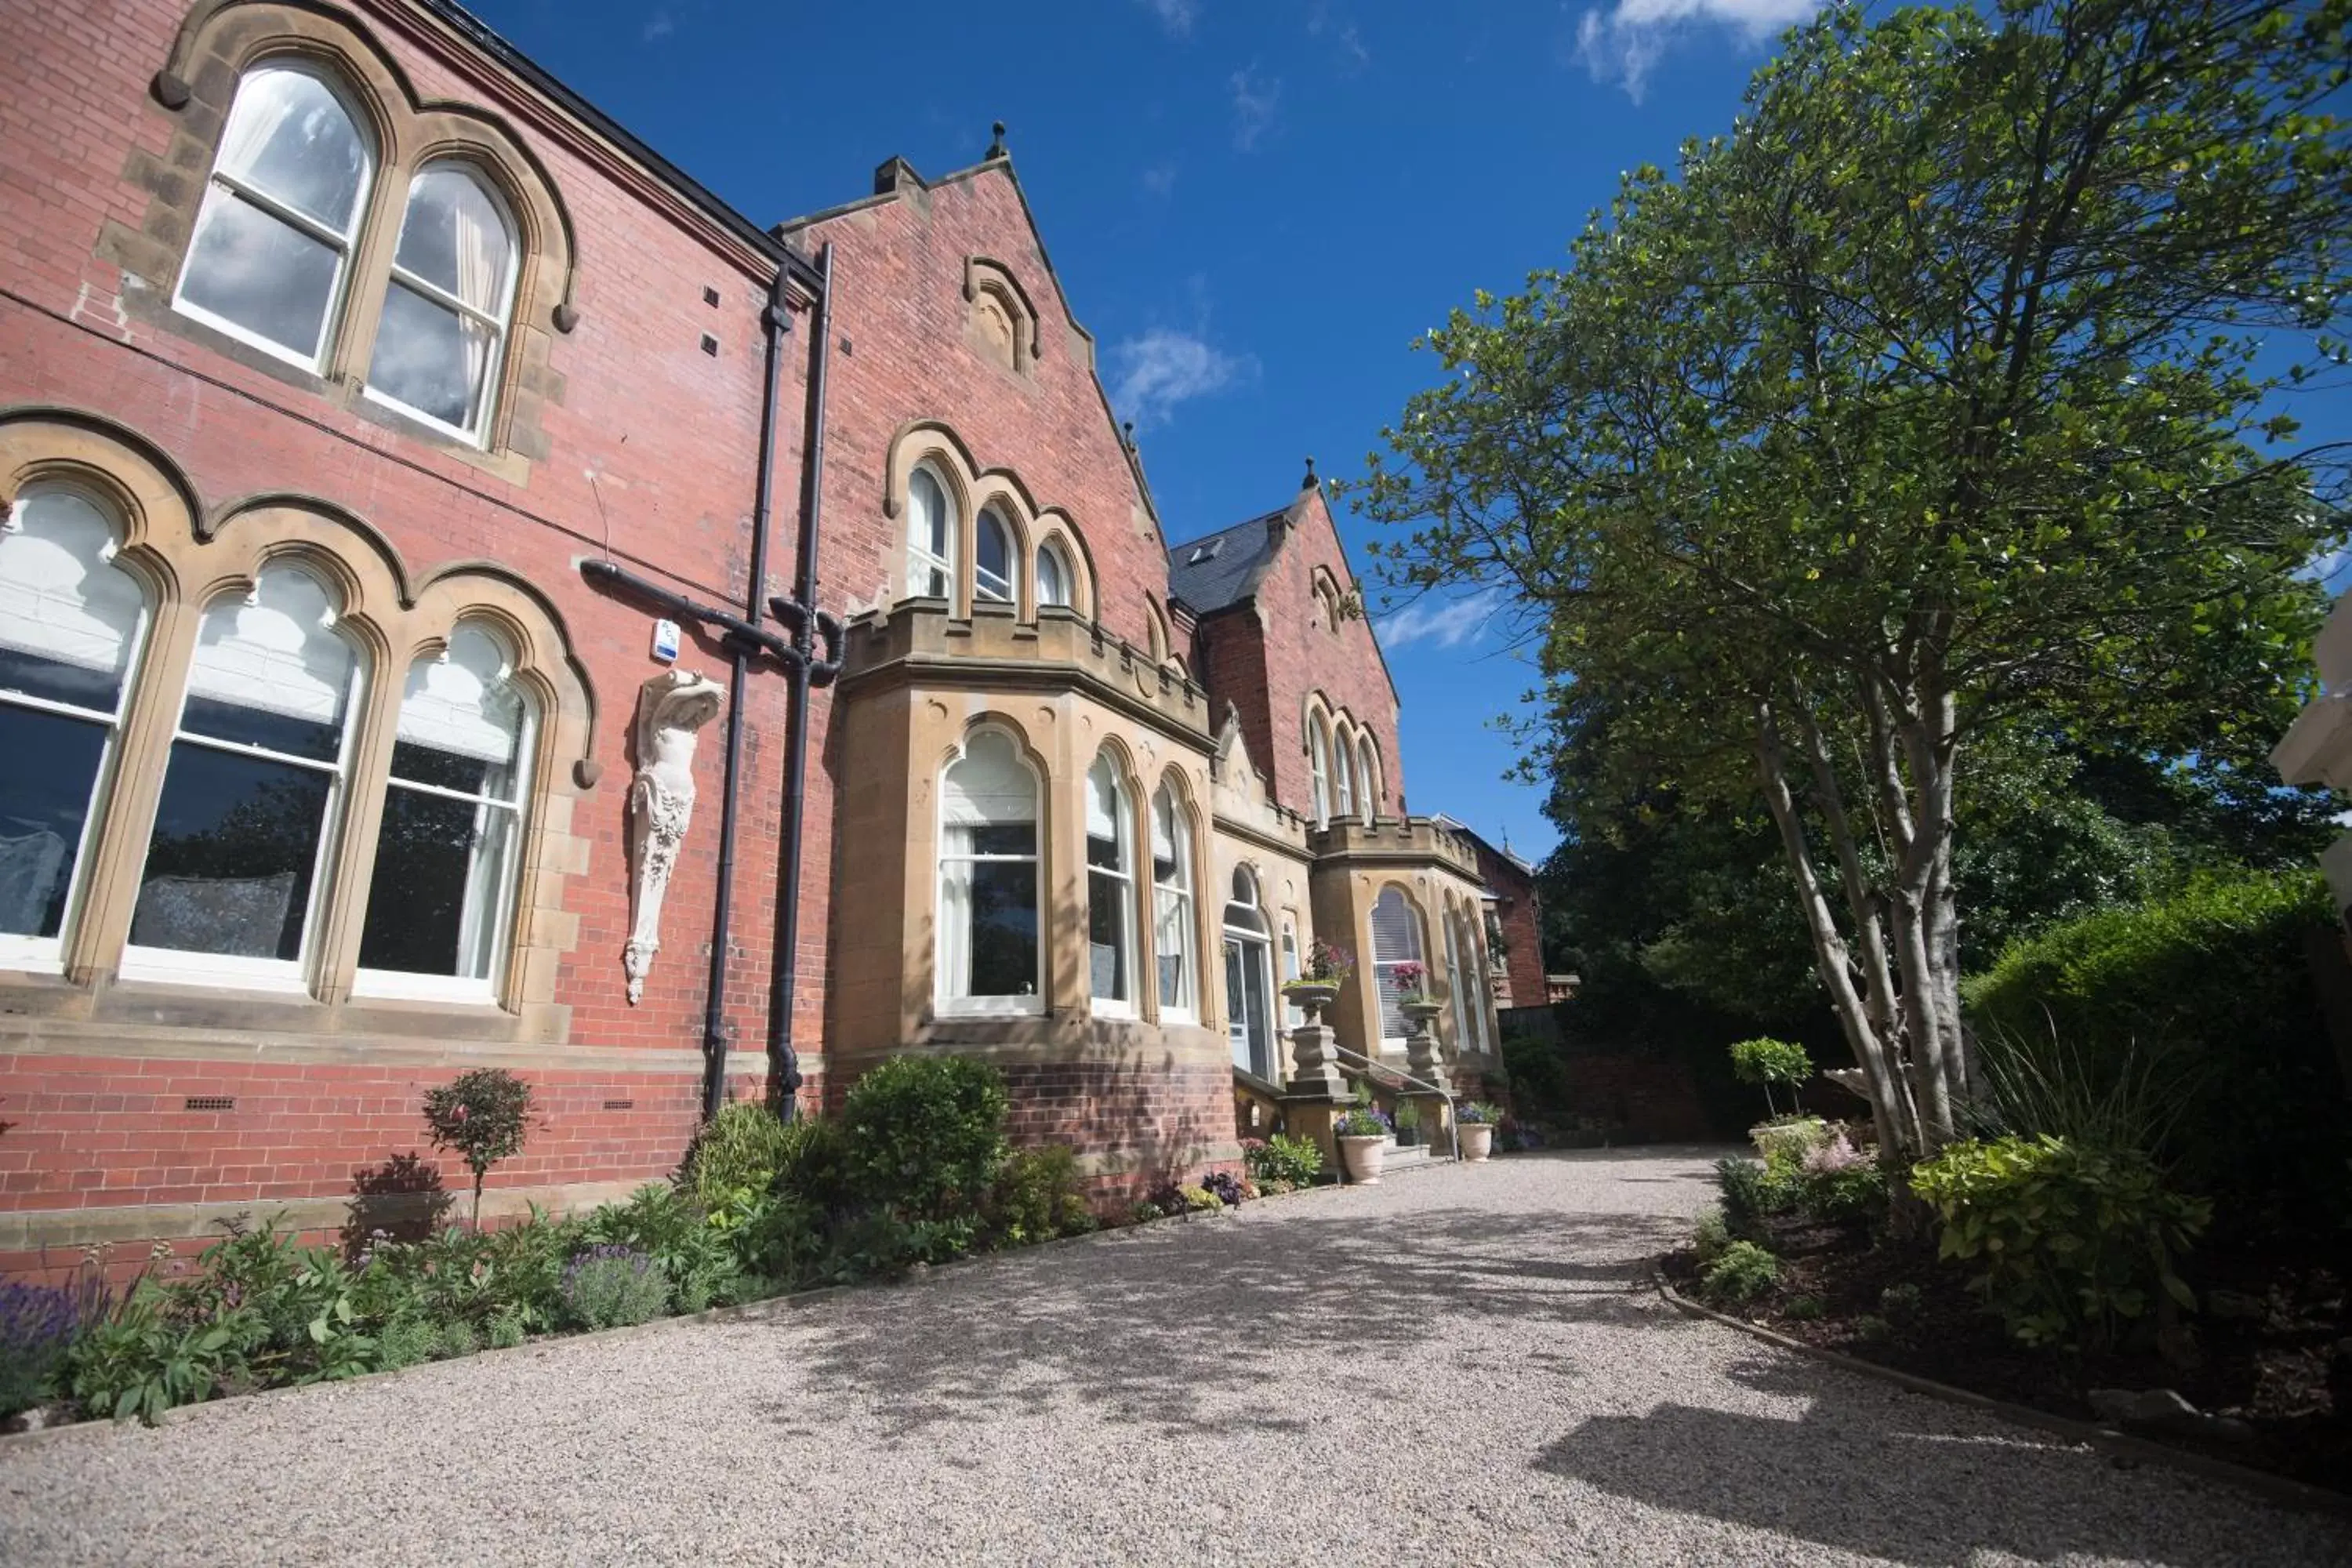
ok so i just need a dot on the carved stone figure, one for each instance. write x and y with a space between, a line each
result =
672 709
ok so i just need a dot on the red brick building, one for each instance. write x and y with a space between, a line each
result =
367 401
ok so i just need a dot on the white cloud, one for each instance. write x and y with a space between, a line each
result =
1176 15
1322 21
1160 179
1154 372
659 25
1446 622
1257 99
1623 43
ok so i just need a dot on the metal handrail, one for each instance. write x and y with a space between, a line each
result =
1453 1125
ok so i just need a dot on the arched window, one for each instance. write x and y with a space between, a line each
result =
1053 575
442 337
1249 980
1292 1013
70 622
988 955
930 538
1110 890
442 898
1396 939
1172 891
1343 775
1367 777
1318 767
992 560
273 241
1458 983
252 790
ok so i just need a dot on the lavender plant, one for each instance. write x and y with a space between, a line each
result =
37 1325
611 1287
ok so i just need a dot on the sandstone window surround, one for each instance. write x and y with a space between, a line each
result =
405 259
1172 841
1027 558
1396 939
1318 766
991 953
1000 319
1110 887
281 765
1368 773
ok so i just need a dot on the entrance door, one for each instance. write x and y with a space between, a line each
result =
1249 1005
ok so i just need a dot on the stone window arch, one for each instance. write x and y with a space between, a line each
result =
232 68
1111 885
991 953
1368 773
1343 769
1396 939
234 833
1175 877
1000 320
1318 765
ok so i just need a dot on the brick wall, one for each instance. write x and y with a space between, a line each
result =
1519 912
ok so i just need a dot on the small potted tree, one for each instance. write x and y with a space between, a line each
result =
482 1116
1328 968
1362 1131
1767 1061
1473 1123
1413 999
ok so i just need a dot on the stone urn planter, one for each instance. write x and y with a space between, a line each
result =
1363 1157
1310 997
1477 1139
1420 1009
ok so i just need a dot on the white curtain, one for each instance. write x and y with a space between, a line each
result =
60 597
1318 754
1340 749
484 252
276 651
264 100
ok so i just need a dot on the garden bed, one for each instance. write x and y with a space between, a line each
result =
2263 1344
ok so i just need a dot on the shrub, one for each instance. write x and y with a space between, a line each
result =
1742 1272
139 1361
1225 1187
1478 1113
456 1340
2209 994
1843 1196
610 1286
736 1150
1038 1198
405 1343
506 1329
37 1325
1785 1141
695 1257
1768 1061
289 1309
1537 1067
1901 1303
925 1138
1283 1158
813 1164
1753 1194
482 1116
2069 1241
1710 1235
1805 1309
1361 1122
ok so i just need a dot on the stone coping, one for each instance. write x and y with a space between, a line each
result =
2118 1445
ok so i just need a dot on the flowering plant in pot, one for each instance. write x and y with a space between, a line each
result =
1474 1124
1364 1134
1328 967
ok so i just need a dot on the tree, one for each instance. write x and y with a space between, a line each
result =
1917 419
483 1115
1767 1061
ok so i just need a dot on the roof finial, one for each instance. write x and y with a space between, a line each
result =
1309 483
996 147
1128 435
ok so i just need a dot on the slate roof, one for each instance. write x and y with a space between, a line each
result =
1220 570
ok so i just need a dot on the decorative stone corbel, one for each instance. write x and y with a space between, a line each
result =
672 709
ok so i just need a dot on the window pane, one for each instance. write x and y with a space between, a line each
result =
1052 578
1107 946
66 614
461 720
1016 839
228 871
990 785
272 672
48 768
260 272
439 888
455 238
1003 929
996 559
290 137
1174 938
929 527
429 357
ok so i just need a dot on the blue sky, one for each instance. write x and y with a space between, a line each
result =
1255 206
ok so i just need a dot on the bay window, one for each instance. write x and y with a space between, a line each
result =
445 852
988 955
1110 891
1396 939
70 623
1171 888
251 790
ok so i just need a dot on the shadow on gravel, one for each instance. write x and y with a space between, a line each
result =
1176 1326
1886 1476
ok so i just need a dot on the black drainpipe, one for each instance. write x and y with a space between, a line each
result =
801 613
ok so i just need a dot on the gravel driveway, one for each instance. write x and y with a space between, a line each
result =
1449 1366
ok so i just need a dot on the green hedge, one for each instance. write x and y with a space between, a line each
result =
2212 985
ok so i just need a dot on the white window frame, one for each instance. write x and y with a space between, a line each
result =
1004 589
222 185
396 985
1293 1015
1123 800
921 561
500 325
944 1003
1366 773
1386 967
1342 771
1052 552
46 954
1257 949
1319 768
171 966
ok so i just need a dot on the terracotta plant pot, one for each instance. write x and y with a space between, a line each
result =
1363 1157
1477 1139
